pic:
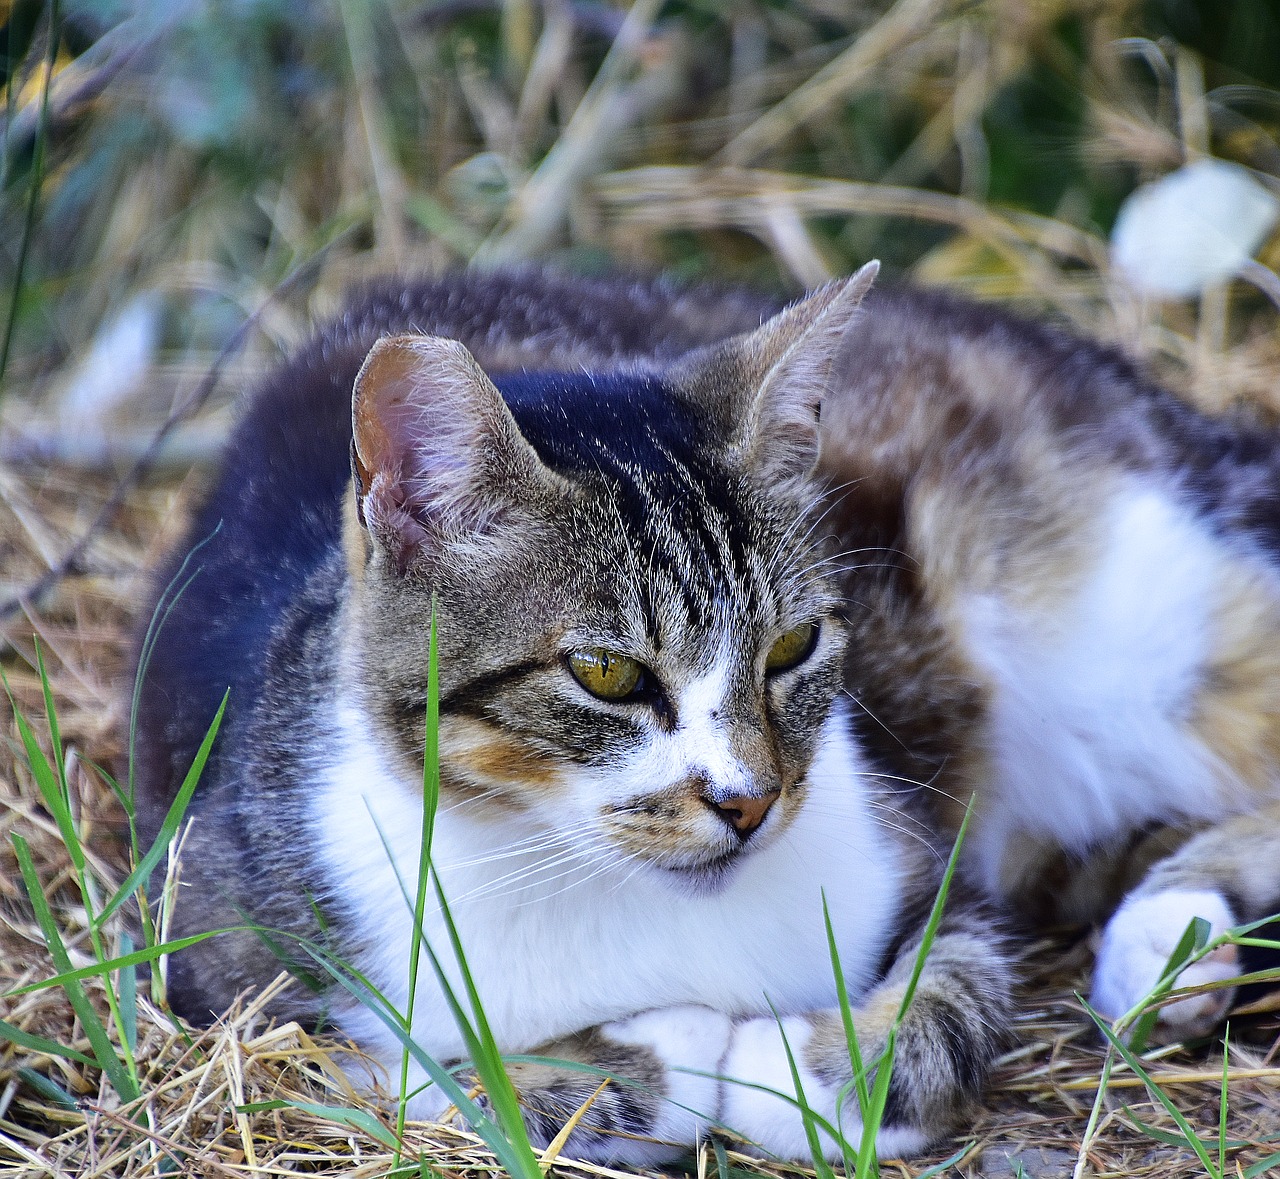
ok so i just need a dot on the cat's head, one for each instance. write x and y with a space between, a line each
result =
638 642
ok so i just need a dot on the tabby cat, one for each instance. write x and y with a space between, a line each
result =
736 609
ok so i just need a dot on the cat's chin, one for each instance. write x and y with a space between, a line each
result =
708 876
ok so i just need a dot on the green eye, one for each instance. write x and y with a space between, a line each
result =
793 648
606 673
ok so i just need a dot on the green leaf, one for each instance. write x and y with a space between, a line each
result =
34 1043
172 819
1189 1135
483 1050
1194 938
341 1115
430 805
484 1126
50 1090
47 781
104 1052
1222 1105
1169 1137
164 606
128 996
51 719
856 1064
807 1115
946 1164
1262 1167
101 969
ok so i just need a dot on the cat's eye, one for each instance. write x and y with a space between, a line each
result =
606 673
792 648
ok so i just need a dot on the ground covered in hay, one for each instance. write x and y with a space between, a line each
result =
183 189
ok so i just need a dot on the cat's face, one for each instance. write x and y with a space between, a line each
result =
638 643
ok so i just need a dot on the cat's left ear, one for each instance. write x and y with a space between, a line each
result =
765 389
436 456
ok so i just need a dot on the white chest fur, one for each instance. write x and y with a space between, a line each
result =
557 944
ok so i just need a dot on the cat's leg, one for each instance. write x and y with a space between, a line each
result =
1228 874
957 1023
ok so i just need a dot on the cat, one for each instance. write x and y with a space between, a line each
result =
738 606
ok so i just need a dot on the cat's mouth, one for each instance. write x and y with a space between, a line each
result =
707 873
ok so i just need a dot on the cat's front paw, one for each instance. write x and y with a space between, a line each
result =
645 1086
1135 948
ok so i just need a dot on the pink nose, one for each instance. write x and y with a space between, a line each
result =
744 813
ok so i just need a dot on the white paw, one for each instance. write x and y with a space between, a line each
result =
1136 945
690 1042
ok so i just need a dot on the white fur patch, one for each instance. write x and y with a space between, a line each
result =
692 1041
1088 724
1135 948
762 1106
560 938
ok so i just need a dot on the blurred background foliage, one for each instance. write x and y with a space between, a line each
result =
168 164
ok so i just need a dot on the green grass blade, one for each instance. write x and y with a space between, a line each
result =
846 1011
1262 1167
34 1043
104 1052
1222 1105
722 1159
341 1115
431 743
1240 932
1194 938
50 1090
1189 1135
127 990
820 1165
1168 1137
430 804
122 962
51 719
873 1116
943 1167
935 914
485 1128
164 606
483 1048
168 829
48 782
856 1064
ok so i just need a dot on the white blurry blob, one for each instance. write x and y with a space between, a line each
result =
115 365
1195 227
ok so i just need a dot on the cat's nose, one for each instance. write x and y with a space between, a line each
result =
744 813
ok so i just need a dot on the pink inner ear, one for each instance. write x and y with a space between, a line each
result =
402 434
381 390
437 453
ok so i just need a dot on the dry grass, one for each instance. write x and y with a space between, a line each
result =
772 143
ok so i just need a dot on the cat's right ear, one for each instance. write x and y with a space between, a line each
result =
436 456
763 390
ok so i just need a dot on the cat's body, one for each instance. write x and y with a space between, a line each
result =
829 661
